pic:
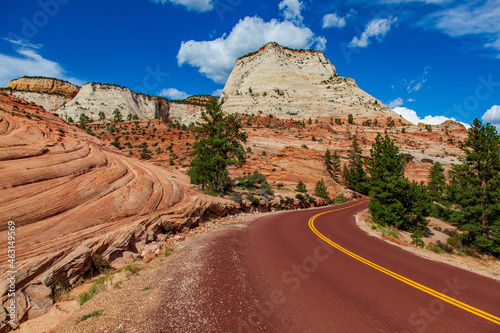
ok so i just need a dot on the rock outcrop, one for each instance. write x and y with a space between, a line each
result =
51 94
299 84
44 85
94 98
73 198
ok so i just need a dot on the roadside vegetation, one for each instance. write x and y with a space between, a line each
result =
468 197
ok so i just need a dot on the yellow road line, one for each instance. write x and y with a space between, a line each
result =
409 282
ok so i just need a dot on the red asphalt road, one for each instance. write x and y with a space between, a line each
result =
299 283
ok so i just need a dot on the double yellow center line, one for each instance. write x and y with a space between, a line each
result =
409 282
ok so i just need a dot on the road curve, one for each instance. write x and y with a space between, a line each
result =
278 275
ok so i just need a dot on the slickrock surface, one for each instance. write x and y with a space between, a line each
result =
298 84
73 198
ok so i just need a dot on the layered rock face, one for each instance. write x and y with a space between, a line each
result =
44 85
51 94
72 197
298 84
95 97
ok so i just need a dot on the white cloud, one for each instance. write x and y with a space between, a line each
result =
290 10
217 92
473 18
492 116
173 93
376 28
28 61
395 103
215 59
410 100
333 21
194 5
418 83
412 117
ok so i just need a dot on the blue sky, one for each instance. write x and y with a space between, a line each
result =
421 57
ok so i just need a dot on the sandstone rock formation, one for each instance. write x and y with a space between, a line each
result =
95 97
73 198
51 94
299 84
44 85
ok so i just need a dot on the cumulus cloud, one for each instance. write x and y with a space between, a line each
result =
376 28
215 58
334 20
194 5
173 93
472 18
412 117
28 61
290 10
395 103
492 116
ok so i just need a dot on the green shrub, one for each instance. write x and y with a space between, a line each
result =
130 270
90 315
101 265
301 187
434 248
251 182
454 242
340 199
445 247
98 286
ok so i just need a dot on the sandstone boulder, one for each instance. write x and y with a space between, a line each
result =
40 299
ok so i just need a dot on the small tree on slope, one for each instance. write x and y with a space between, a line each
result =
219 146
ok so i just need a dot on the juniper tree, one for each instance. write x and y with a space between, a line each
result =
219 146
477 188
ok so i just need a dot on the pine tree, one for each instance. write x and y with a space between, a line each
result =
437 182
321 190
117 116
219 146
477 188
101 115
354 175
301 187
394 199
332 164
